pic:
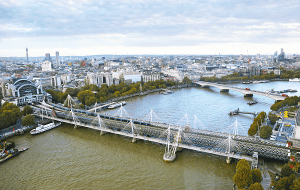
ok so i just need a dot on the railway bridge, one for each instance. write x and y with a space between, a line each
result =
176 137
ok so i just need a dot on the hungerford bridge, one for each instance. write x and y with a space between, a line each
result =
174 137
245 91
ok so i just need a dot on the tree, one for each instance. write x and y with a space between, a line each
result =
28 120
186 80
253 129
273 118
256 176
286 171
243 177
283 183
72 91
256 186
295 185
265 132
291 180
27 110
81 106
242 163
93 100
84 96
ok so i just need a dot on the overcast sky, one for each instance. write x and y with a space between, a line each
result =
95 27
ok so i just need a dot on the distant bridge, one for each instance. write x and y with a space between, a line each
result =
245 91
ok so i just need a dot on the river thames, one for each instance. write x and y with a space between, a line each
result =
67 158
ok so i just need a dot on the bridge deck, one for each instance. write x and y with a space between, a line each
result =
245 91
193 139
136 136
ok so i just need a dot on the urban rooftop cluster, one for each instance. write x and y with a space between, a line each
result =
24 78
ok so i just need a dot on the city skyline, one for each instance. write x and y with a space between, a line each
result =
76 28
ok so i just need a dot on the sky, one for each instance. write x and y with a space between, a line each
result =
153 27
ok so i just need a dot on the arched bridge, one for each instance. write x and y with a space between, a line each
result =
245 91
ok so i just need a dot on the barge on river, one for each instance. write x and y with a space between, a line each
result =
8 154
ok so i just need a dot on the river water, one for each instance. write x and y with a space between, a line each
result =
67 158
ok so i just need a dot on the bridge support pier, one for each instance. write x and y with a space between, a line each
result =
224 90
228 160
102 132
75 126
133 140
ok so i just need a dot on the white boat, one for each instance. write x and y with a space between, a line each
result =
43 128
294 80
168 92
116 105
264 81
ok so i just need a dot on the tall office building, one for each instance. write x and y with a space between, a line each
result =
47 57
27 55
57 59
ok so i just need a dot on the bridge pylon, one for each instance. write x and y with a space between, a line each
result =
75 119
70 102
170 151
44 109
100 124
132 130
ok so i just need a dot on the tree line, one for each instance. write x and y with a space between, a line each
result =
285 74
257 122
288 179
90 94
288 101
10 113
247 178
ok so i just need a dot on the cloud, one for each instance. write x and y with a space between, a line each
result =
141 23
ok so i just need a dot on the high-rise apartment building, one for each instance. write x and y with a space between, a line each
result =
26 55
281 55
57 59
47 57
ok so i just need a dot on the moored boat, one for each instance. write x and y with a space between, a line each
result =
6 155
116 105
43 128
168 92
252 102
294 80
292 90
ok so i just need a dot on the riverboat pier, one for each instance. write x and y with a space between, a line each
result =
237 111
